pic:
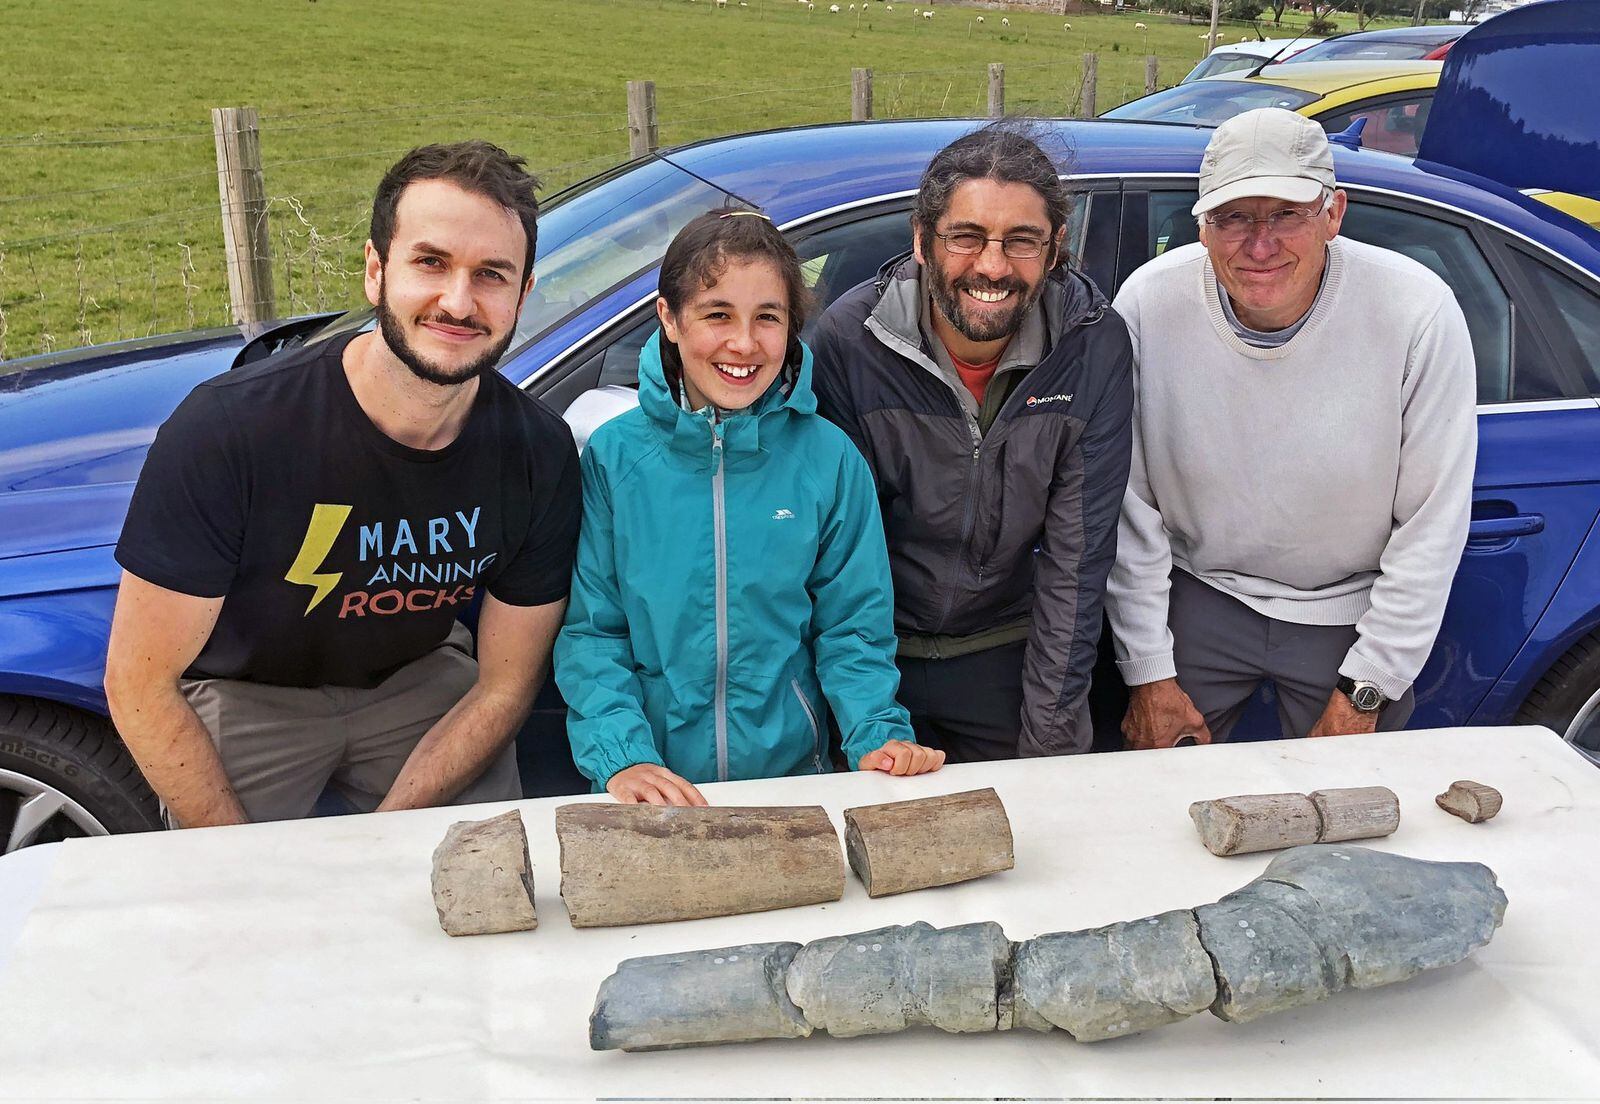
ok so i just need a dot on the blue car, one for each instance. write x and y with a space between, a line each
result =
1521 637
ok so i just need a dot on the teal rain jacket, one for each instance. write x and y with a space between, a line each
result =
729 576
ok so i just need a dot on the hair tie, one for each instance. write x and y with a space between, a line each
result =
731 214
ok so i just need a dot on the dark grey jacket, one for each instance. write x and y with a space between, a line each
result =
987 531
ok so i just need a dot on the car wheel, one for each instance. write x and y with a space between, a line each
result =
64 773
1567 699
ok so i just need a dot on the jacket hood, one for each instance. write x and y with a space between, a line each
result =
790 394
1069 299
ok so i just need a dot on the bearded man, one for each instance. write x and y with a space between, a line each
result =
989 386
306 531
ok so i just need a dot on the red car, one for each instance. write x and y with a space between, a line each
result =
1394 44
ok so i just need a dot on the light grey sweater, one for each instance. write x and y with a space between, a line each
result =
1327 481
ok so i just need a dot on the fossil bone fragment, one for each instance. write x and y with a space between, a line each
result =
1116 980
1266 822
1473 802
482 878
1319 919
729 995
641 864
930 841
899 977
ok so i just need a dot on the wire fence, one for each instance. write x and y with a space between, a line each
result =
115 232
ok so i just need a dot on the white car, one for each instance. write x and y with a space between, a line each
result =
1234 57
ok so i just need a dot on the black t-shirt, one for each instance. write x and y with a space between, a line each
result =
343 554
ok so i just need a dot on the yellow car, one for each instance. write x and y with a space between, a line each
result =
1393 96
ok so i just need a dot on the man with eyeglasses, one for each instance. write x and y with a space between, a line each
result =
1303 453
989 386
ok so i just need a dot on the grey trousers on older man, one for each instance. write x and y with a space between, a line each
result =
1224 651
281 746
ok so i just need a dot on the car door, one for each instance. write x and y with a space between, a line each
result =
1536 491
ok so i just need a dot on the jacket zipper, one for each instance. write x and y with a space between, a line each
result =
966 523
816 729
719 523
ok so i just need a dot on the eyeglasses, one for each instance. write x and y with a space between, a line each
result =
1236 226
966 243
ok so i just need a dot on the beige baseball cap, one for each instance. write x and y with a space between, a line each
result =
1266 152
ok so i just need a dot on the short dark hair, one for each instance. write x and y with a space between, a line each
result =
476 166
700 254
1006 150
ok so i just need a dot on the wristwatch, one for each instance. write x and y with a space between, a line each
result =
1365 696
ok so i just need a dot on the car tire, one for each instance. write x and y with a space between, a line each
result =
1567 699
73 765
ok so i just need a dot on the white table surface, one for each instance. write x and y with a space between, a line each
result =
303 961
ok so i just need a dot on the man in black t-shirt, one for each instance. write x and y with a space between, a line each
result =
307 530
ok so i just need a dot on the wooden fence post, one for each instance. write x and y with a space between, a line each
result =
860 94
1211 38
997 89
1152 70
244 213
644 135
1091 66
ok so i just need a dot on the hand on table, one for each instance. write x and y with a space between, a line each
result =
1159 714
1341 718
646 783
902 757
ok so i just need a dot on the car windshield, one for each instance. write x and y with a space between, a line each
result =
1217 64
1209 102
1335 49
593 237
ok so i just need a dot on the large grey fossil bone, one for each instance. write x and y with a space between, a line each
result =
1320 919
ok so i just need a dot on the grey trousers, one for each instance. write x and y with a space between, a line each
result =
281 746
1224 650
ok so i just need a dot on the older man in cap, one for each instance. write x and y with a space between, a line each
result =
1302 466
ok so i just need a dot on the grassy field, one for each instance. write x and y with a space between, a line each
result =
109 224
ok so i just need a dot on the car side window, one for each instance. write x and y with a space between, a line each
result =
832 260
1571 324
1445 247
1394 124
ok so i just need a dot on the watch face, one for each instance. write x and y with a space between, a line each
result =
1367 698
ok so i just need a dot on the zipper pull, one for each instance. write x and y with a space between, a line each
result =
975 449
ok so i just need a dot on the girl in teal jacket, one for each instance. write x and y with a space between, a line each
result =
732 581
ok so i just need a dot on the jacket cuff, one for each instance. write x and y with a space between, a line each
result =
1362 669
1137 672
607 765
870 737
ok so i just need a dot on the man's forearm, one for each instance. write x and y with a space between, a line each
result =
458 748
175 752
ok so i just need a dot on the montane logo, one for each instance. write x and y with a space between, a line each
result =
1040 400
783 515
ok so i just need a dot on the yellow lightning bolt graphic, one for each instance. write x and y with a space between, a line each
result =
326 521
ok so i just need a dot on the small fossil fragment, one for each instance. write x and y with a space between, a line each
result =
482 878
1319 919
1266 822
930 841
1473 802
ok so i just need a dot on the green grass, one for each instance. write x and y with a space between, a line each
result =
109 223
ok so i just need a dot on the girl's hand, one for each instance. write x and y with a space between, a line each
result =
646 783
903 757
